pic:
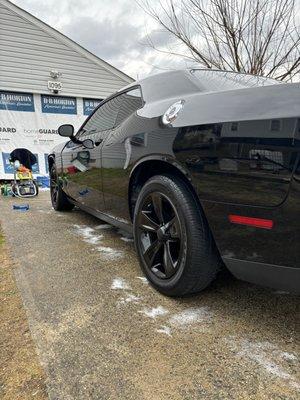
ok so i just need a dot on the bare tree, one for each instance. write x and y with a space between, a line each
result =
253 36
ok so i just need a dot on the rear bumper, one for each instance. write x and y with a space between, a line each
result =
274 276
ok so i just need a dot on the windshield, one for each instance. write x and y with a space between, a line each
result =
215 81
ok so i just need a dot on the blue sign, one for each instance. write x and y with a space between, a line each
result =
58 104
89 105
14 101
9 168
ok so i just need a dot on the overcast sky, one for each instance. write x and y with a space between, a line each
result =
115 30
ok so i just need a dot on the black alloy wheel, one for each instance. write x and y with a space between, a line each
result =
160 235
53 185
59 199
172 238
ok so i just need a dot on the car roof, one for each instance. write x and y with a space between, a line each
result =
197 80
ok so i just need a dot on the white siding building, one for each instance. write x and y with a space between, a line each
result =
46 79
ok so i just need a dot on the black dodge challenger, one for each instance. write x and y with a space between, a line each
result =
203 166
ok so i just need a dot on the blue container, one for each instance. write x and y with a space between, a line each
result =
21 207
43 181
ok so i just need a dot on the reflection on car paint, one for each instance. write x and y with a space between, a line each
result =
237 146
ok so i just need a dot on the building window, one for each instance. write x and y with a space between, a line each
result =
275 125
234 126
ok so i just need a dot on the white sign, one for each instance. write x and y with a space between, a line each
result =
54 85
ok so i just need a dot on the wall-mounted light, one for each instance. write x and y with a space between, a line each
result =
55 74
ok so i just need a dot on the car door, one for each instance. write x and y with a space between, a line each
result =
82 166
116 154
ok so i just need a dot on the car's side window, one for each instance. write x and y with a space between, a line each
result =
131 102
103 119
112 113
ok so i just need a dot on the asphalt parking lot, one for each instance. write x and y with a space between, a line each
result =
103 333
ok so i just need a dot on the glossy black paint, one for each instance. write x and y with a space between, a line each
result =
236 142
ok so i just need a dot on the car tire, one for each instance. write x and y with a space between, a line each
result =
173 241
59 199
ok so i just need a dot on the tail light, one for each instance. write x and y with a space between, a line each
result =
249 221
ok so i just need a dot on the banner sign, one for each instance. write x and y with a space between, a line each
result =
14 101
35 131
9 167
89 105
58 104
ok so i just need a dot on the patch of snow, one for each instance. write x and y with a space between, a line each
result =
271 367
126 239
120 284
288 356
143 279
131 298
295 385
110 252
267 356
103 226
191 316
93 239
88 234
166 330
125 236
154 312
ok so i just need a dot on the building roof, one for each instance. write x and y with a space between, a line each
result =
29 48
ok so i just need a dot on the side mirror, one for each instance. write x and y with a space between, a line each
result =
88 143
66 130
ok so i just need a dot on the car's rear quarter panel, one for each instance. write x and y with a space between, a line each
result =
247 167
